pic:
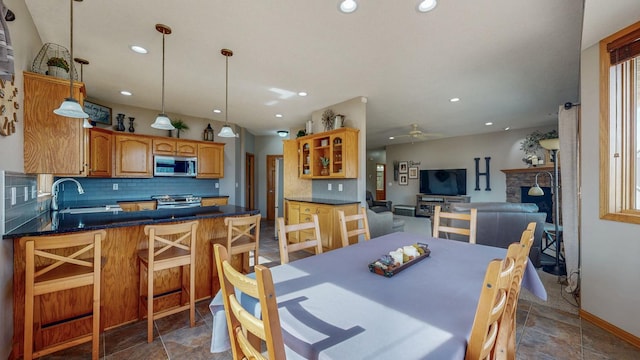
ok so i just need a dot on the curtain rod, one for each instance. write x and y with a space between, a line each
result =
569 105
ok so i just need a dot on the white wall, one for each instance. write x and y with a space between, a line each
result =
459 152
610 282
264 145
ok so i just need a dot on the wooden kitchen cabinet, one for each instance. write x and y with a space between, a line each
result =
301 211
133 156
53 144
100 153
163 146
210 160
213 201
138 205
339 146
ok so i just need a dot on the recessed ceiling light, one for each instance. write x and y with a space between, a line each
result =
126 93
427 5
507 128
391 138
278 115
217 111
138 49
454 99
488 123
348 6
302 93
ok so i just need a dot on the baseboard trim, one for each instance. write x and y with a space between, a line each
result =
624 335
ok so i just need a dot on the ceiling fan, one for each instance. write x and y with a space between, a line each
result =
416 134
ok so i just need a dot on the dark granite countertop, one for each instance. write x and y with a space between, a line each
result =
324 201
54 222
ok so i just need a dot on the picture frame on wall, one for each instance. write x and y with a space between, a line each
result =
413 172
403 167
402 180
98 113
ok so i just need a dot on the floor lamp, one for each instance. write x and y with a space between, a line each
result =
553 145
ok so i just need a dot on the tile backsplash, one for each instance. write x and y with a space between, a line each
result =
20 199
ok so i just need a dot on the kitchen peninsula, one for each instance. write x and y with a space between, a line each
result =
120 270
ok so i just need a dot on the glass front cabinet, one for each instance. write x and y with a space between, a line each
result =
331 154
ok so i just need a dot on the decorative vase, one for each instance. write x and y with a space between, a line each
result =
120 119
324 171
131 128
309 128
337 122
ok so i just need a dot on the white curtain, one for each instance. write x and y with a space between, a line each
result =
568 130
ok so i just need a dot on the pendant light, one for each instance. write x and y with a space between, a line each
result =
162 121
226 130
70 106
85 124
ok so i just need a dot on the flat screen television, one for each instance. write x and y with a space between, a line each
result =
443 182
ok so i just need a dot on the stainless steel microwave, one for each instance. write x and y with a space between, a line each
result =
175 166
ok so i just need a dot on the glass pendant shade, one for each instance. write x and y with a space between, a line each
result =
86 124
162 123
71 108
536 190
226 132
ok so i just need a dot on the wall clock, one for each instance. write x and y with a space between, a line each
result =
8 107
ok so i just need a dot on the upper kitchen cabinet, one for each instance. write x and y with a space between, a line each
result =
210 160
331 154
100 153
53 144
133 156
174 147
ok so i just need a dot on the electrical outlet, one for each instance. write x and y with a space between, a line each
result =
26 193
115 186
217 185
34 192
329 187
13 196
339 187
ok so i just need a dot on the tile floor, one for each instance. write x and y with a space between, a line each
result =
543 332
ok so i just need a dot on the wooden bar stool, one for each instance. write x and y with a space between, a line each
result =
169 246
61 262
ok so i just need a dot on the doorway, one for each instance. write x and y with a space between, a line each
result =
250 190
271 184
381 186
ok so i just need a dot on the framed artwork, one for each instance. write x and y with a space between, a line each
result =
413 172
403 167
98 113
402 180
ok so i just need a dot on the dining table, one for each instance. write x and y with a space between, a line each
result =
331 306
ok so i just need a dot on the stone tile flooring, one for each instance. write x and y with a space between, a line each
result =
543 332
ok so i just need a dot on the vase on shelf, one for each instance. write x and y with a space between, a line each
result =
324 171
131 128
120 119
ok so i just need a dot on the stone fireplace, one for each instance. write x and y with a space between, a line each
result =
520 180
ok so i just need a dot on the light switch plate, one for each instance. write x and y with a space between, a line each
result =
339 187
13 195
26 193
217 185
115 186
329 187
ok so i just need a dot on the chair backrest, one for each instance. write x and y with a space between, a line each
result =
83 256
360 218
439 226
245 330
175 241
493 299
243 234
506 341
303 243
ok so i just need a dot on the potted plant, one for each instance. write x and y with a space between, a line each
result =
180 126
56 66
325 163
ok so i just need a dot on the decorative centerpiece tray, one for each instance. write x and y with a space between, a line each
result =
386 266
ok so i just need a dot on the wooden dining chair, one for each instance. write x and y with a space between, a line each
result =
304 241
439 226
169 246
506 341
358 219
493 299
243 236
56 263
246 330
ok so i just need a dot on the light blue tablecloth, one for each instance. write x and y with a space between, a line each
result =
332 307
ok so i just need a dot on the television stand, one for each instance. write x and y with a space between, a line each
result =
425 203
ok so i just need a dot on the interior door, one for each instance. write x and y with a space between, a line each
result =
271 185
250 190
381 185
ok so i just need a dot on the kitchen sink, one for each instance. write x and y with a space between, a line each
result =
92 210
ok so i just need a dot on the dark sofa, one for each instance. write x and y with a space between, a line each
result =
501 223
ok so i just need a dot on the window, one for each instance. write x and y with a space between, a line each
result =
620 126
